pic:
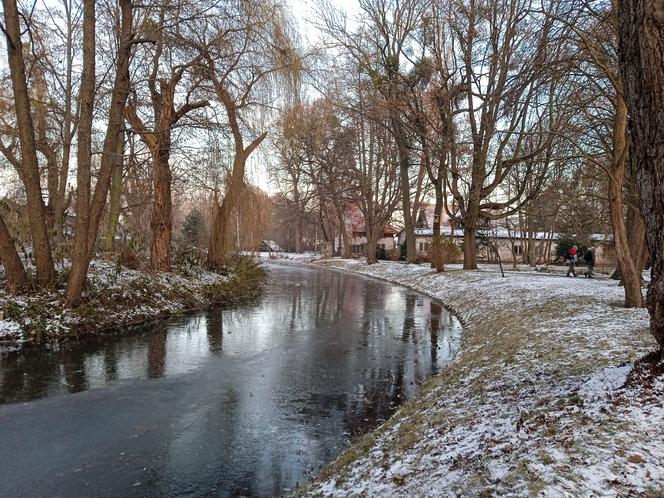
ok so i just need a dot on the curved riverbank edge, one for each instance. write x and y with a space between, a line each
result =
536 402
117 299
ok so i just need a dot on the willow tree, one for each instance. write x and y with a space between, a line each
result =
246 49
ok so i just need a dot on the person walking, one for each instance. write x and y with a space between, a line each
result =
589 258
571 258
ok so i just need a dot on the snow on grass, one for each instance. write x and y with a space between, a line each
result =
536 403
304 257
115 297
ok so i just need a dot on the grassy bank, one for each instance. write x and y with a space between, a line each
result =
537 402
117 297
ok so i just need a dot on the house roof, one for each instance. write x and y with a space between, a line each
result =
503 233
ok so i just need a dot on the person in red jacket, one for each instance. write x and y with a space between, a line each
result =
571 258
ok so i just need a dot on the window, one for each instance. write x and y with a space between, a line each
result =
518 250
423 246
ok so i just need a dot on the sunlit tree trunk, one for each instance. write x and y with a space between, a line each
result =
29 164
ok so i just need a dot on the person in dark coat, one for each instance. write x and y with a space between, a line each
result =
589 258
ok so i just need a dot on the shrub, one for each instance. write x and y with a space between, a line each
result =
395 254
244 280
443 250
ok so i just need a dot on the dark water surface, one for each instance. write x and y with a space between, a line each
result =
246 401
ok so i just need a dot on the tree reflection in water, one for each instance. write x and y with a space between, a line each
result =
248 400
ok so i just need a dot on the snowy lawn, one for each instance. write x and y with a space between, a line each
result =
536 403
115 298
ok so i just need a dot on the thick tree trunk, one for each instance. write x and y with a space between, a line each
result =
469 247
641 55
222 242
161 219
14 271
372 245
79 267
29 165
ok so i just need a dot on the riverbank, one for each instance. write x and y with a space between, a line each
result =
543 398
117 297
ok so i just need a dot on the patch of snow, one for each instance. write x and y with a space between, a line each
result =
533 404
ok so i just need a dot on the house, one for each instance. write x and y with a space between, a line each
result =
269 246
354 221
510 244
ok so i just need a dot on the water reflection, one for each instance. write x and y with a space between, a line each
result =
245 401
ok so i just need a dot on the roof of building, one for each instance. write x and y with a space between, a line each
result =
503 233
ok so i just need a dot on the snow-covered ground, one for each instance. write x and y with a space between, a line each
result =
304 257
536 403
115 298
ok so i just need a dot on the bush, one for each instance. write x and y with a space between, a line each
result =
443 250
381 254
395 254
244 280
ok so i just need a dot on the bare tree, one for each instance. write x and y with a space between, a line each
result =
29 163
80 264
641 48
167 70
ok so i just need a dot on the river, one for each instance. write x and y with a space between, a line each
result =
251 400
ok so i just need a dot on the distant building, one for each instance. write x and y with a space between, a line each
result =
355 227
510 243
269 246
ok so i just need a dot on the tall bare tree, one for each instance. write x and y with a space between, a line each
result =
641 49
29 163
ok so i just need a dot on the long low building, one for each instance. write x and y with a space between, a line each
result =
511 244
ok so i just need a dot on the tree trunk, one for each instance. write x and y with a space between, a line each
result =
161 219
372 245
222 241
79 266
469 247
113 131
630 277
345 237
14 271
438 210
115 124
29 164
115 202
404 173
641 50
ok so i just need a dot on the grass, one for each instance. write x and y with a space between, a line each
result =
517 368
